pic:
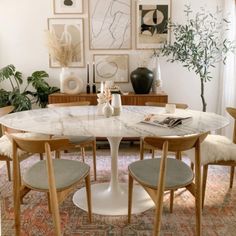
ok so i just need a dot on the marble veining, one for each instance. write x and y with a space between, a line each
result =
84 121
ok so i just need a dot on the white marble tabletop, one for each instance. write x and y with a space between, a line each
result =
84 121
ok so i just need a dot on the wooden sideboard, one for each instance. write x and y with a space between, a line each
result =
130 99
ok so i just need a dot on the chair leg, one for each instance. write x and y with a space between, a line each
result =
141 149
82 153
57 154
16 190
231 176
8 170
153 153
94 161
41 156
49 204
192 166
204 179
88 192
130 195
172 193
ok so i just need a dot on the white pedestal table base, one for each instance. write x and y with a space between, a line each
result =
112 198
105 202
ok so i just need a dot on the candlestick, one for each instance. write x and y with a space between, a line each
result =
93 72
88 73
88 88
94 88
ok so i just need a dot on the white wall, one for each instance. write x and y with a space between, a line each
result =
22 43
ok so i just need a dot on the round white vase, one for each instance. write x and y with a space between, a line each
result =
107 110
69 83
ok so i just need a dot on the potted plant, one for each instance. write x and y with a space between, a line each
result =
199 44
22 99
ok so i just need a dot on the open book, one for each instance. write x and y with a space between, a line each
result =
164 121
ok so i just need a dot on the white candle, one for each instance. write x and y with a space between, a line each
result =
102 87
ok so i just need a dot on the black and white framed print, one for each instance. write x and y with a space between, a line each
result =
152 23
110 24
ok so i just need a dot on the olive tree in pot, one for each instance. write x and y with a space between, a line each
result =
22 99
200 44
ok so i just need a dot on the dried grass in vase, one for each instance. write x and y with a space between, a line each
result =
62 51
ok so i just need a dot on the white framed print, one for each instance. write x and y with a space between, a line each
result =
110 24
69 30
111 67
152 23
68 6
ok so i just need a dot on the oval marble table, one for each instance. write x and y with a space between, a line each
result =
110 198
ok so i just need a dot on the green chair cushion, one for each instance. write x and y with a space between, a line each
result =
178 174
67 173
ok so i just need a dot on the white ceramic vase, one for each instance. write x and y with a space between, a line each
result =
65 73
157 82
107 110
69 82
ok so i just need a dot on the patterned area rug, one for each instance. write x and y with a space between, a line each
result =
219 215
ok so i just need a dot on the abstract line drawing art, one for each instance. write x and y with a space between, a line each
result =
152 24
112 67
68 6
110 24
69 31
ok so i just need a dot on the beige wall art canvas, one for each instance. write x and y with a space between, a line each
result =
111 68
110 24
151 24
69 31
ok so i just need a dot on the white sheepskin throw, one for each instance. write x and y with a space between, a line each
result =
6 142
215 148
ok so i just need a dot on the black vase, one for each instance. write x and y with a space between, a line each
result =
141 80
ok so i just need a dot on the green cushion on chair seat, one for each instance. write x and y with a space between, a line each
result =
178 174
67 172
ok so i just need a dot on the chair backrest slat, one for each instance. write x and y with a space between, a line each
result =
162 104
4 111
232 112
69 104
176 144
38 146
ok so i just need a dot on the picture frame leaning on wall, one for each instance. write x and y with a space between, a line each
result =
69 30
111 67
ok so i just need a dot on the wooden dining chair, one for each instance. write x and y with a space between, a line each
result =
218 150
6 145
56 177
157 104
80 142
163 174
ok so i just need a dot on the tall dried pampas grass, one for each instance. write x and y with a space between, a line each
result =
61 51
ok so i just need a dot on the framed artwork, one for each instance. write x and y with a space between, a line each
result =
152 23
69 30
111 67
68 6
110 24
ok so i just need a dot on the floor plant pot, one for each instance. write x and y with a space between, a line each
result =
141 80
